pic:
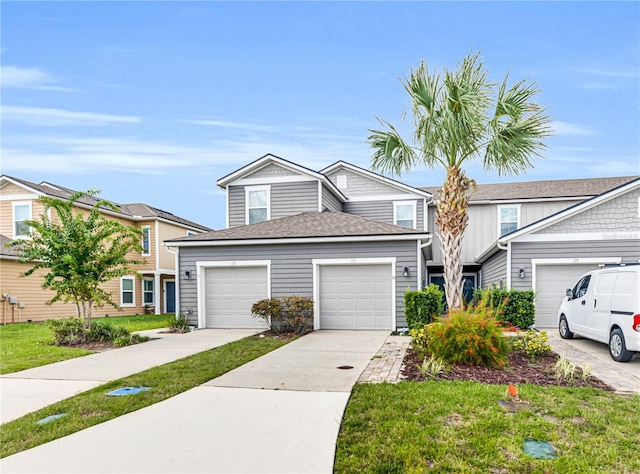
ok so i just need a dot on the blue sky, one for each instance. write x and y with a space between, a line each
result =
154 101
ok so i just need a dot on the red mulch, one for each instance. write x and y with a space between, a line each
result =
520 370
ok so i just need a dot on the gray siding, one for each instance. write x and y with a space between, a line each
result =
359 185
270 171
329 201
523 252
494 270
382 210
292 268
287 199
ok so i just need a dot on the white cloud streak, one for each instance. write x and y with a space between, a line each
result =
28 78
249 127
566 128
58 117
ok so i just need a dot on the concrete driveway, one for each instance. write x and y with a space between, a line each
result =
279 413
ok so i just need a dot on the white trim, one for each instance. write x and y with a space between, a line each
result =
13 217
202 265
143 228
509 265
419 270
425 215
249 189
297 240
271 180
317 262
176 252
405 203
164 291
571 237
157 245
577 199
319 196
133 279
226 198
384 197
20 197
500 221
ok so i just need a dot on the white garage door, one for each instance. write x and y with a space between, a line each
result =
355 297
551 283
229 294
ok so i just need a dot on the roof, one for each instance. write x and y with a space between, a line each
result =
7 251
135 211
306 225
561 188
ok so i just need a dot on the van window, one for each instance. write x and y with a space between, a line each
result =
626 283
581 287
605 283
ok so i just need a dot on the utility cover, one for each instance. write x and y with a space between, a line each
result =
127 391
540 449
50 418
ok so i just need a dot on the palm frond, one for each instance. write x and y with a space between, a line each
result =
392 154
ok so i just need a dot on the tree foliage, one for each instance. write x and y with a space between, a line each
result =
459 115
79 251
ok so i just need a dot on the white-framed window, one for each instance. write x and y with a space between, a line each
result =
257 199
147 291
127 291
404 214
146 240
190 233
508 219
21 213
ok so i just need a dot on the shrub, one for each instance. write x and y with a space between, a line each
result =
422 307
533 343
177 323
420 340
431 368
102 331
290 313
471 336
68 331
513 306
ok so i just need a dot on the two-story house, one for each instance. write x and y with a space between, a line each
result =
355 241
149 288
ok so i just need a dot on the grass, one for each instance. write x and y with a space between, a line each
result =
459 427
94 407
27 345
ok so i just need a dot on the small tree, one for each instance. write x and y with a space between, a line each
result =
80 252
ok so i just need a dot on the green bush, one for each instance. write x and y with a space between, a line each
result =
533 343
471 336
102 331
512 306
68 331
287 314
420 340
422 307
177 323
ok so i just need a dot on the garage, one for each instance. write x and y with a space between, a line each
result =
551 282
229 293
356 296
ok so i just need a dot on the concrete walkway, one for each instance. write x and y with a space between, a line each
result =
32 389
280 413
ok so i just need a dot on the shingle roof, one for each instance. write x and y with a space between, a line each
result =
4 250
306 225
130 210
563 188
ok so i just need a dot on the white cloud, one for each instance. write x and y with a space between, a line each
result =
28 78
249 127
59 117
622 72
566 128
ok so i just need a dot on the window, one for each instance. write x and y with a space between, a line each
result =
190 233
508 219
404 214
146 240
147 291
21 213
127 291
257 199
581 287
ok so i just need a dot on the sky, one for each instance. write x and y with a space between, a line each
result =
155 101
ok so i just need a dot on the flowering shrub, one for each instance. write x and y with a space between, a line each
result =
533 343
420 340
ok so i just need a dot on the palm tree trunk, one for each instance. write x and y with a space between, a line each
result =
451 221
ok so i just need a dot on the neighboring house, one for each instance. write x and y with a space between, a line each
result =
354 241
150 287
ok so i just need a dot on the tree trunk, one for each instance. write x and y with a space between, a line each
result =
451 221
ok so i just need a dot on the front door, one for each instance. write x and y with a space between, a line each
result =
169 296
468 284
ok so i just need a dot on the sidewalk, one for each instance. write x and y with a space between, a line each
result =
32 389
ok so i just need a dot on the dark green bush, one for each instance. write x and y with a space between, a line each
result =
287 314
423 307
513 306
102 331
177 323
68 331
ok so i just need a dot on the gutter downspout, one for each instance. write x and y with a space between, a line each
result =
176 252
508 249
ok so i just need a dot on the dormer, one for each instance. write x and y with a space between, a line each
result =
271 187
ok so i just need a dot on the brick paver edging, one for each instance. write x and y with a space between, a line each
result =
386 364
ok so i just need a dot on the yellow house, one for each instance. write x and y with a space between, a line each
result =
149 288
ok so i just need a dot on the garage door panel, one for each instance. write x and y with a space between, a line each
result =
355 296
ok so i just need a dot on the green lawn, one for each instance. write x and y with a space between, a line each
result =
27 345
459 427
94 406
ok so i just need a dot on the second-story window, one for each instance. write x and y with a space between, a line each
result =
21 213
404 214
257 201
146 240
508 219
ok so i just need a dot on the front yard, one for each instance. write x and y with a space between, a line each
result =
27 345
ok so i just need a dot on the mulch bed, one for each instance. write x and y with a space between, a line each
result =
520 370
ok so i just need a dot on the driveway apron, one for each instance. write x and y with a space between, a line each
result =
279 413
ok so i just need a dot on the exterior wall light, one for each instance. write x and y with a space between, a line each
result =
187 274
521 273
405 272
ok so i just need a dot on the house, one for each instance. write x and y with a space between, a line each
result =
151 287
355 241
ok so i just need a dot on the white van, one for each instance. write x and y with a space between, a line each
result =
604 305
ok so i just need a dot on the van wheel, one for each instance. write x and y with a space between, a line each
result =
618 348
563 327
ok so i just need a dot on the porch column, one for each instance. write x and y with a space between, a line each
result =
157 292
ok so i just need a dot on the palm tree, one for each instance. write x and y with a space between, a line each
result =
460 115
